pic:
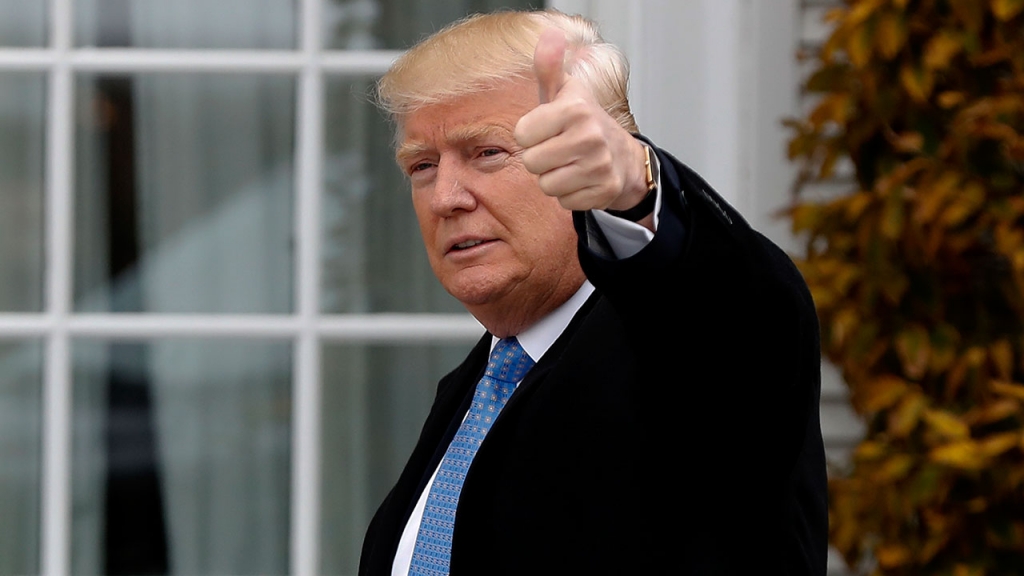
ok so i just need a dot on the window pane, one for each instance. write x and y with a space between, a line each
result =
398 24
22 129
375 399
181 457
184 193
23 23
373 255
21 365
236 24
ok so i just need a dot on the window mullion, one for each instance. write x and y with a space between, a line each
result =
57 394
305 493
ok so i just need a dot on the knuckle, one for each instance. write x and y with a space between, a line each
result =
576 108
530 160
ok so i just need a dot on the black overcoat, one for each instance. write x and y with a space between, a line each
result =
673 428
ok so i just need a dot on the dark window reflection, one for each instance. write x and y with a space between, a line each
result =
187 24
375 399
184 193
22 134
23 23
21 451
181 457
398 24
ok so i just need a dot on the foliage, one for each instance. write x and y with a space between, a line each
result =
918 276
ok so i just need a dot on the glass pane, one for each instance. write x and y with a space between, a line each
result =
181 457
23 23
22 129
373 254
398 24
184 193
21 447
235 24
375 399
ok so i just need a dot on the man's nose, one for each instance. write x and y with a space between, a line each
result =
451 189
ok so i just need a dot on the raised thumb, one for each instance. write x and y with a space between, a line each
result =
549 64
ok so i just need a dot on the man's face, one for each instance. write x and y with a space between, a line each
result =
494 240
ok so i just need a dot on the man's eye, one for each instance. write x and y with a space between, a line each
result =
490 152
420 166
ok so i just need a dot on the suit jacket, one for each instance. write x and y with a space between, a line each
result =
672 428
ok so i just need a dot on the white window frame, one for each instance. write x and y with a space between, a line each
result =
307 328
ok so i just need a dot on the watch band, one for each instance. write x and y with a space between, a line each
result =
646 206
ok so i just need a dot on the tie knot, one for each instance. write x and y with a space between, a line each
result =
508 362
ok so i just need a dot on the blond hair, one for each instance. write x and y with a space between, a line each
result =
482 51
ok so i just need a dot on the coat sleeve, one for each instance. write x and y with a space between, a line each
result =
724 335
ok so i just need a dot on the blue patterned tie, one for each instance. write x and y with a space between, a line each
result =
507 366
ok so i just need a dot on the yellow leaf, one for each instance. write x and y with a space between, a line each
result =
868 450
891 556
893 214
805 217
937 540
999 443
944 341
975 356
964 205
913 347
970 12
895 468
1011 389
861 11
1001 353
950 98
878 394
1007 9
965 570
842 326
992 412
904 418
856 205
946 425
941 49
963 455
918 82
1009 239
858 46
834 15
894 285
1007 537
934 195
977 505
910 142
833 108
891 34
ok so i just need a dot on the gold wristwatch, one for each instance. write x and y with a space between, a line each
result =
646 206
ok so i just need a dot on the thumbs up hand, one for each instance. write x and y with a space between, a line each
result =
579 152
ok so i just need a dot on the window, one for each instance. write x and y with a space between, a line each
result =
219 335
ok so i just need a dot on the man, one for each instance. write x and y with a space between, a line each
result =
650 404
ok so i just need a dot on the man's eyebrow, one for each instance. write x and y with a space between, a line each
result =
479 132
457 136
409 149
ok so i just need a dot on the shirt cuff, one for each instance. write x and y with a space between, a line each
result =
627 238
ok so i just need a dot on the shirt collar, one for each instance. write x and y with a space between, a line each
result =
538 338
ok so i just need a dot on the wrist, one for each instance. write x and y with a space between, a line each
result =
642 197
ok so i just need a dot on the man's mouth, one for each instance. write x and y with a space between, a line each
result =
466 245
